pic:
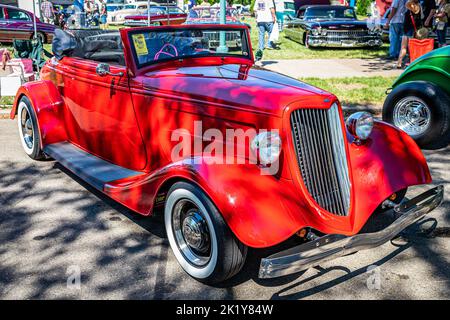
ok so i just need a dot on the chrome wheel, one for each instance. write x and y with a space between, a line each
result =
412 115
27 128
191 233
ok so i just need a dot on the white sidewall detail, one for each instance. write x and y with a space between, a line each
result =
23 105
196 272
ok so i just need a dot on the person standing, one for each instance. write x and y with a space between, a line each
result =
47 11
395 22
442 16
412 28
265 19
103 13
95 13
428 10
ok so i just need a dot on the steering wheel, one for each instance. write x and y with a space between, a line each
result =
161 51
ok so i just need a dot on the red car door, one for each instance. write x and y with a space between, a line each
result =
99 114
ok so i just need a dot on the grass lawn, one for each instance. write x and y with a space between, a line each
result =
355 91
294 50
6 102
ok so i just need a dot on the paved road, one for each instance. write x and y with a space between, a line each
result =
333 68
52 225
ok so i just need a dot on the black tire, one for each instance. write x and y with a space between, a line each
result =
29 134
305 40
41 36
437 133
227 253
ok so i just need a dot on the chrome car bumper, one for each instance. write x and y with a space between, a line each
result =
333 245
324 41
135 23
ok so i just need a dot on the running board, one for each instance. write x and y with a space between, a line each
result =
95 171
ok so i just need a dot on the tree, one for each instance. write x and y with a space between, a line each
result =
362 7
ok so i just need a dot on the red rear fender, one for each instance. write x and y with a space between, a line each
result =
48 106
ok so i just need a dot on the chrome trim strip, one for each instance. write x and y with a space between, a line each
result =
333 245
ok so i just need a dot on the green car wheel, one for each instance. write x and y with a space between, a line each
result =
419 102
422 110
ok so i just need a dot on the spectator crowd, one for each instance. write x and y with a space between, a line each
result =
414 19
96 13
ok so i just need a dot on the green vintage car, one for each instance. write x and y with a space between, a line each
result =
419 102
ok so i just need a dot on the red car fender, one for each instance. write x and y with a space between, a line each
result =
387 162
48 106
264 210
261 210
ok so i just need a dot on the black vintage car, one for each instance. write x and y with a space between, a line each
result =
331 26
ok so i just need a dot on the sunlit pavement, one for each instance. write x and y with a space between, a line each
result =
52 225
332 68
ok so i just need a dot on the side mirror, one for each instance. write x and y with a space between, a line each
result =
103 70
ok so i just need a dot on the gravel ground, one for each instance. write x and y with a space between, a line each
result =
52 226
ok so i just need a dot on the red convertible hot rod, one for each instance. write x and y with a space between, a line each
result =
169 119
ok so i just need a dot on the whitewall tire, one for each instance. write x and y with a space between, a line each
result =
200 239
28 129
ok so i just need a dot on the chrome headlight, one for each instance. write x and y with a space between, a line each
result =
267 145
324 32
315 32
360 125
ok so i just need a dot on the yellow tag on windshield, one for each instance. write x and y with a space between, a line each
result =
139 44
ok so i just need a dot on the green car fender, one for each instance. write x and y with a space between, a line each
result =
432 67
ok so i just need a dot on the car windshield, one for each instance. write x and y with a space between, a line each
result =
331 13
157 11
114 7
175 10
289 6
130 6
152 46
210 13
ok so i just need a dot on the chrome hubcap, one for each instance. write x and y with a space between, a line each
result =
412 115
191 233
27 128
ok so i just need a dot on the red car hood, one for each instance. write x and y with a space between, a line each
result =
256 90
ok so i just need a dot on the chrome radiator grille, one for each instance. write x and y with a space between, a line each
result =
320 149
348 33
336 36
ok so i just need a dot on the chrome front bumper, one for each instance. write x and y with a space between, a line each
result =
333 245
134 23
323 41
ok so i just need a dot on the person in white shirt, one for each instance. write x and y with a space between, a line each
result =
265 19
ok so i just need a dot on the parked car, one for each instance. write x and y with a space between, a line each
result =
118 16
285 10
419 102
199 14
114 5
211 15
18 24
232 155
331 26
159 15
